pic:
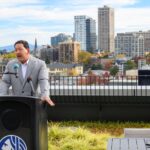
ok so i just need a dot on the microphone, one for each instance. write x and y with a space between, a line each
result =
29 80
16 67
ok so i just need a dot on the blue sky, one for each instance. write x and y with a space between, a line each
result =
41 19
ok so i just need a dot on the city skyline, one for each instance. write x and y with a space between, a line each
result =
41 19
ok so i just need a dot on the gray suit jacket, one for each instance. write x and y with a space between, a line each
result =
36 69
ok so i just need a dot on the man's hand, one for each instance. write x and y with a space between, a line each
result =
47 100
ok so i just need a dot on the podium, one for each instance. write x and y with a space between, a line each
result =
23 123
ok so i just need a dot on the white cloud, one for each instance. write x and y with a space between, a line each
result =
16 2
132 19
35 14
62 13
26 33
98 3
119 3
43 21
46 12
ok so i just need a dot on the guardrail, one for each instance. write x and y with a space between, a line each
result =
100 86
100 98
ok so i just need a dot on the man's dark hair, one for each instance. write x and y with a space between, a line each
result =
25 43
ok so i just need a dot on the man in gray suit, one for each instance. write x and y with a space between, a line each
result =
29 73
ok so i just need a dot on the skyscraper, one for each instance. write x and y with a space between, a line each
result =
106 29
85 32
55 40
90 34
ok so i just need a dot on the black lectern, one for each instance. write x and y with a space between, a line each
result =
23 123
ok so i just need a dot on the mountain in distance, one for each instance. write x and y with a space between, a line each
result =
10 48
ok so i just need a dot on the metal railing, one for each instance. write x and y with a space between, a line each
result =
99 86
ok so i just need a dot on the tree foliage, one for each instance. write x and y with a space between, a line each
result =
9 55
107 65
84 57
147 58
72 72
114 70
130 65
47 61
97 66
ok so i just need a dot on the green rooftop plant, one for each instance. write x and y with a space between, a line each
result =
76 135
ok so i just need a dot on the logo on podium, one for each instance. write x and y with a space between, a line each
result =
12 142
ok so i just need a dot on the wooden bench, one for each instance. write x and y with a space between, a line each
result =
128 144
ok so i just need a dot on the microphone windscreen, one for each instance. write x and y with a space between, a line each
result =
16 66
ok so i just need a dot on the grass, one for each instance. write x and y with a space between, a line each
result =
86 135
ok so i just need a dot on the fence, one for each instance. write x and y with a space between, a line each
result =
100 86
97 98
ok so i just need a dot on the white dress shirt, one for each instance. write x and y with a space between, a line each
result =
24 68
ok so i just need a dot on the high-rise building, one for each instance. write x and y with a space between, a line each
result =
146 35
133 43
85 32
106 29
55 40
80 30
68 52
130 43
90 35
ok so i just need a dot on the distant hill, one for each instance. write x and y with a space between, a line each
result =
10 48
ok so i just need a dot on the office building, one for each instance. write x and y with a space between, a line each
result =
55 40
68 52
106 29
85 32
131 44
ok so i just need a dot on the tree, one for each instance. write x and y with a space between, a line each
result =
130 65
147 58
84 57
72 72
137 58
108 65
9 55
47 61
114 70
97 66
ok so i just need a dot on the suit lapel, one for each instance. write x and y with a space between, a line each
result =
20 74
30 67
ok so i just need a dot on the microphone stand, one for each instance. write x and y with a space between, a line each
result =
8 73
13 73
15 67
29 80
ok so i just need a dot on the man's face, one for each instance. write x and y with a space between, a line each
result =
21 52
